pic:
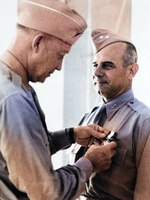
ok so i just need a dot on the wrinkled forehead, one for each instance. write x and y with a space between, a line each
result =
112 52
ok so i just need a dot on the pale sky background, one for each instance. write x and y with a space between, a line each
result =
51 92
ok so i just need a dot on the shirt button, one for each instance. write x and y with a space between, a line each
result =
131 102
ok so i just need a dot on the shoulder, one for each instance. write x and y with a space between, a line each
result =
140 108
10 84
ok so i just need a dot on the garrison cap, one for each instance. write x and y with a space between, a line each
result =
53 17
102 38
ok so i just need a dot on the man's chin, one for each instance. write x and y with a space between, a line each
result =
101 93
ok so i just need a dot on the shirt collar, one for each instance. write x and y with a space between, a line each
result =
114 105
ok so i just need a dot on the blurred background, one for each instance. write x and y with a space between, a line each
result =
68 94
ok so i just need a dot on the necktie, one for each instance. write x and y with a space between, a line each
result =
99 118
41 114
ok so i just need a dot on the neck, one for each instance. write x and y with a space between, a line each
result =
16 66
115 96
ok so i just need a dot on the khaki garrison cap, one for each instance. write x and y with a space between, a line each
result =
102 38
52 17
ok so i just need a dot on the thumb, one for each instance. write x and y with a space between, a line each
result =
111 145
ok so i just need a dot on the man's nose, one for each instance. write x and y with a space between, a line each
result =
59 67
98 71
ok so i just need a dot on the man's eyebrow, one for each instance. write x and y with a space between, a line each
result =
108 62
94 62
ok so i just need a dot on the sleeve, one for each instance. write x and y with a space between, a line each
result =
25 148
77 178
142 188
61 139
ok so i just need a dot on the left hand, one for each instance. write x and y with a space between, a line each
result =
84 134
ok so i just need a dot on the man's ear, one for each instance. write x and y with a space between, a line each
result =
133 70
37 40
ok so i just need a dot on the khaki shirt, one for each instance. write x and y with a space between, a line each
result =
26 171
129 175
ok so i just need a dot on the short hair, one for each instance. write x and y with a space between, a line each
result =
130 55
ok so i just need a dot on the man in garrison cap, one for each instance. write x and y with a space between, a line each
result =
114 67
45 32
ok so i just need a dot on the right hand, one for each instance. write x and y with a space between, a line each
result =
100 156
83 134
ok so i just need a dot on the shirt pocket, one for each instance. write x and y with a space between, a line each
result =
120 156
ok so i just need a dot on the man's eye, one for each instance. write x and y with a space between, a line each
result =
107 65
95 65
60 56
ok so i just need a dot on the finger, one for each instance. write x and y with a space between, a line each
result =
98 128
98 134
96 141
90 142
111 145
101 129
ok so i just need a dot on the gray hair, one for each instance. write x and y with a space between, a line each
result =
130 55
